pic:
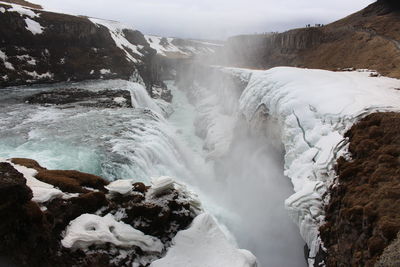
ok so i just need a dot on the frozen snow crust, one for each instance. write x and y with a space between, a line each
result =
314 109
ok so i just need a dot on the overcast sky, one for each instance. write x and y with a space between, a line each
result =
210 19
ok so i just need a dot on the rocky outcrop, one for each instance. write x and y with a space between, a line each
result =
81 97
62 230
367 39
362 217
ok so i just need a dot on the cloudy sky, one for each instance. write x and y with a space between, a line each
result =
210 19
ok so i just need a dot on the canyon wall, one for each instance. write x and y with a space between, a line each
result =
38 46
367 39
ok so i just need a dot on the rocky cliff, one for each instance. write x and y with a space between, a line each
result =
367 39
38 46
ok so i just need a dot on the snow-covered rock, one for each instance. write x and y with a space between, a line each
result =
204 244
90 229
122 186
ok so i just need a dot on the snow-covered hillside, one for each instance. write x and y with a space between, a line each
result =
180 48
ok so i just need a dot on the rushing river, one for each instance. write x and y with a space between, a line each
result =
140 143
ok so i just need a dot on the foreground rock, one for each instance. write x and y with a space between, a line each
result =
363 215
101 224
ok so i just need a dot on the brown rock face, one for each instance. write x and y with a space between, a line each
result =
367 39
363 215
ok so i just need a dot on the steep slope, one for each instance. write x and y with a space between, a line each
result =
362 217
40 46
368 39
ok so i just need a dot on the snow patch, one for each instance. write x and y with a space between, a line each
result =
9 66
36 76
204 244
119 100
30 60
105 71
23 11
33 26
3 56
90 229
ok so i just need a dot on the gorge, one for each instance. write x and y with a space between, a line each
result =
188 150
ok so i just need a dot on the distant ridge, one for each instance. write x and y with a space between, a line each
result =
23 3
368 39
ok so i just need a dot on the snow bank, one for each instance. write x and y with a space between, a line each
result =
204 244
90 229
314 109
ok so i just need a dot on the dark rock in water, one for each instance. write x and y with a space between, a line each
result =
363 214
101 99
31 233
